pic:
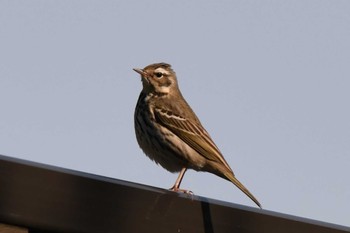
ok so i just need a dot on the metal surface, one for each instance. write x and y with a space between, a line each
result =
50 199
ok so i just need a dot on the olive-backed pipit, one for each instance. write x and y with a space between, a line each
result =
169 132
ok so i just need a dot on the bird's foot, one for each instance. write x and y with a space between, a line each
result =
176 189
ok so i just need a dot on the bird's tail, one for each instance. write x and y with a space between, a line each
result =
231 177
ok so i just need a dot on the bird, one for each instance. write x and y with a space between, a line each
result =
169 132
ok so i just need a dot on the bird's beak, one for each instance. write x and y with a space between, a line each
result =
144 75
140 71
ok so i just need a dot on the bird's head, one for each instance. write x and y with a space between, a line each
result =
158 78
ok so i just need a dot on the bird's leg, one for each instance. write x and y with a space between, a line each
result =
176 186
178 180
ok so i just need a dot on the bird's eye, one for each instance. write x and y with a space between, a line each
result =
159 74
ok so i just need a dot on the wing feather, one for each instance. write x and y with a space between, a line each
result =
191 133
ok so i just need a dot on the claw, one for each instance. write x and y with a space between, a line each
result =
176 189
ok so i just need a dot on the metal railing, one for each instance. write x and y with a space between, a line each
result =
45 198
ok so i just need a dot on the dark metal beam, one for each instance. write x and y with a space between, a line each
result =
51 199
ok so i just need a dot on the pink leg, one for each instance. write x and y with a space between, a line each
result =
176 186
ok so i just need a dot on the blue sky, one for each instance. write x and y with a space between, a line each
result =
268 79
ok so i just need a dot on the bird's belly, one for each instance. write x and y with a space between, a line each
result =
168 150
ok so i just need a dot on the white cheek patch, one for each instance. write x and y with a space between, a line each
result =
164 89
161 70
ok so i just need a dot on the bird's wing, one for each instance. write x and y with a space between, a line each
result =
191 133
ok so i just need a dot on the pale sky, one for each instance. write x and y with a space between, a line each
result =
269 80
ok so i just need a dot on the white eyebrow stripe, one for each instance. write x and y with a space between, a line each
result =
162 70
